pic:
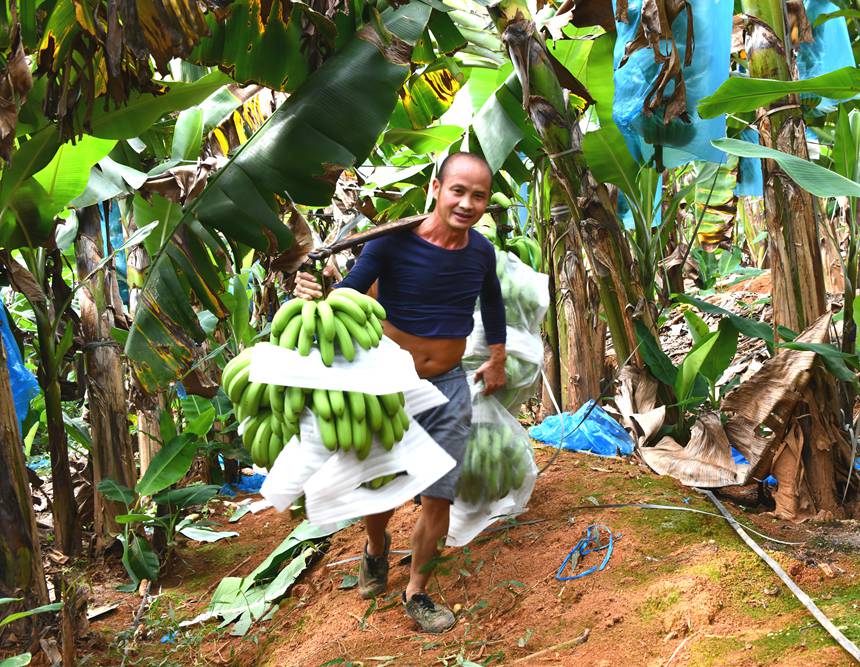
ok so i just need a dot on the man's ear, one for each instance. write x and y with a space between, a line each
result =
435 184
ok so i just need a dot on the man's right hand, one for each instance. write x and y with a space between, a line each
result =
307 287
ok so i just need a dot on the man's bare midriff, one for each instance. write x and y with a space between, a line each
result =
432 356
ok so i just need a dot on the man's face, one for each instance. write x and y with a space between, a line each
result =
463 196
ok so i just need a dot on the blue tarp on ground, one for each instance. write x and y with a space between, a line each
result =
599 434
246 484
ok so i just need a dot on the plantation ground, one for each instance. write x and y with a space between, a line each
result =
678 584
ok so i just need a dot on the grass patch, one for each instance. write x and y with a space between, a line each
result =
657 604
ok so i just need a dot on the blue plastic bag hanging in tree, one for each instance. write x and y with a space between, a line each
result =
24 385
829 50
750 179
647 92
589 429
112 232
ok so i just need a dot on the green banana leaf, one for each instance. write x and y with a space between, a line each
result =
740 94
46 175
329 124
610 161
819 181
245 43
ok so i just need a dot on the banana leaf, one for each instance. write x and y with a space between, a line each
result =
329 124
740 94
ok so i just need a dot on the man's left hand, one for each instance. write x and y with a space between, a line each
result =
492 371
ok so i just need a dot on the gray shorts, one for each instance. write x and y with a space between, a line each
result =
449 426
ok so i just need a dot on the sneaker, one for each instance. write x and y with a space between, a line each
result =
373 572
429 616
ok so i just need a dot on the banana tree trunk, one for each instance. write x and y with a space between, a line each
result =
21 573
112 455
67 523
798 292
581 349
149 406
595 229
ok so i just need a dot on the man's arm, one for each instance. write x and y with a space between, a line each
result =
364 273
492 371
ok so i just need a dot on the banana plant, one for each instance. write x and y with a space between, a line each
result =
329 123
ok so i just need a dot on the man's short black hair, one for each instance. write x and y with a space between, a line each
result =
453 157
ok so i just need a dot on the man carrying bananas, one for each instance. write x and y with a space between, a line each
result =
429 279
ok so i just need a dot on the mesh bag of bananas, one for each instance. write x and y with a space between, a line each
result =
498 472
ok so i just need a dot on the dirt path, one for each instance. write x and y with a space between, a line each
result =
679 585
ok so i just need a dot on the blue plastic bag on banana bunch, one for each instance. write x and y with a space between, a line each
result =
701 59
24 385
829 50
526 296
497 475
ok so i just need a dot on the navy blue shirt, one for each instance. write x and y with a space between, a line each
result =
430 291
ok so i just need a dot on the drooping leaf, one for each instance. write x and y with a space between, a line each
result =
819 181
169 465
496 131
43 609
243 44
65 176
78 430
599 82
747 326
739 94
140 561
842 13
144 109
448 36
115 491
197 494
426 140
19 660
834 359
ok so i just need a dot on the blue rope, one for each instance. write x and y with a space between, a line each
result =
589 544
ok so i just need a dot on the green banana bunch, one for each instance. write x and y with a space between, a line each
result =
522 301
495 463
528 250
265 435
379 482
348 420
345 317
269 412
